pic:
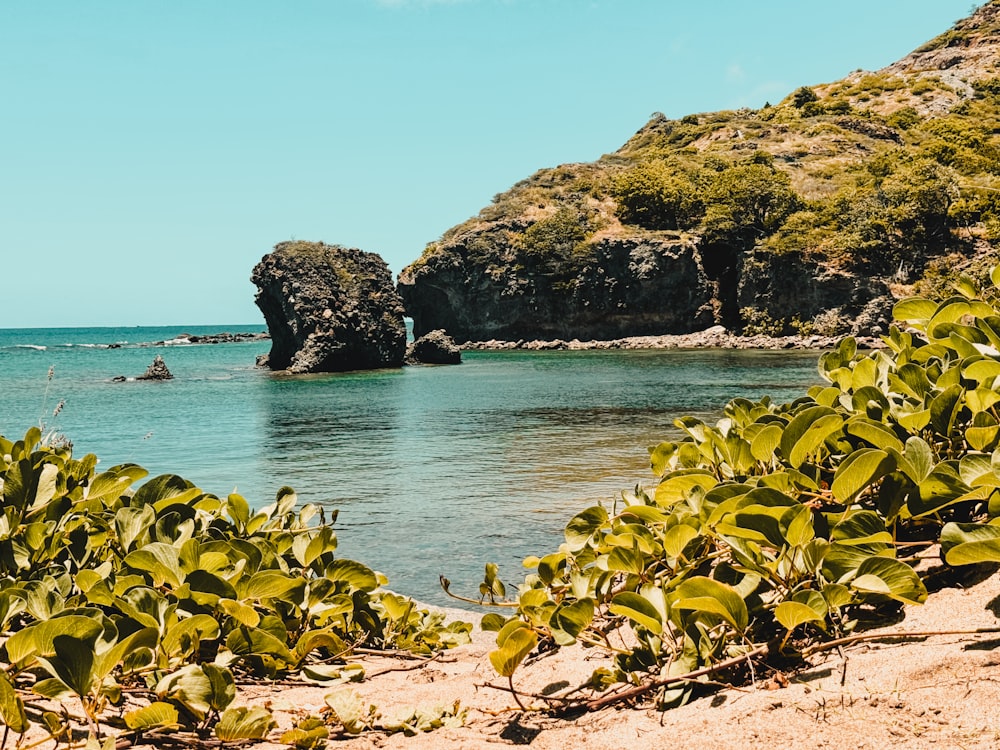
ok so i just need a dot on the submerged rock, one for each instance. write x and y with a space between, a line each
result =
329 308
434 348
157 370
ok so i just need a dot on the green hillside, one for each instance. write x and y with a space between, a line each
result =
891 175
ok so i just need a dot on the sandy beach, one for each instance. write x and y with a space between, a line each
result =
939 691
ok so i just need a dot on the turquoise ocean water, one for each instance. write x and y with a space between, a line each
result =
434 470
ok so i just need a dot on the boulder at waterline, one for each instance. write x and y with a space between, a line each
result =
434 348
329 308
157 370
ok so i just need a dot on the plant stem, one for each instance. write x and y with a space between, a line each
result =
819 647
635 692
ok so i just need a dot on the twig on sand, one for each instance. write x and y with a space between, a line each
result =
411 667
637 690
851 639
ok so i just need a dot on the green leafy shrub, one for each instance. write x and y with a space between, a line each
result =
746 202
556 235
759 323
167 587
657 195
903 118
803 96
783 525
812 109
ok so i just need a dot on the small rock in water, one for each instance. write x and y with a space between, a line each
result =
434 348
157 371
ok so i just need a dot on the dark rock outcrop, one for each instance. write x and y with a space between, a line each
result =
329 308
790 286
626 287
157 370
434 348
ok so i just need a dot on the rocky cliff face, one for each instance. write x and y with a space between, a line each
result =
630 286
809 216
329 308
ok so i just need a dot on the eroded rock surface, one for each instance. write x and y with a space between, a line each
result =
434 348
329 308
157 370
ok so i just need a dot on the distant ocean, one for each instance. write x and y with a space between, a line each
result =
435 470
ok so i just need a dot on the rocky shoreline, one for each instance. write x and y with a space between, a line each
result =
716 337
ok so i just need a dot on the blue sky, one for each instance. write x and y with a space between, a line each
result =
153 151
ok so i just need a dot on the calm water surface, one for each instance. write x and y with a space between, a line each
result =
434 470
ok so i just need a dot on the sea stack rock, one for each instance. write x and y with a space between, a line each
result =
434 348
329 308
157 370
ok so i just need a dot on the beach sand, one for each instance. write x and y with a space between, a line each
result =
941 691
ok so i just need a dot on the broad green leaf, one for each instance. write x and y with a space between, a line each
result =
200 688
583 526
970 543
244 614
312 640
916 420
626 560
638 609
981 399
333 674
154 716
245 641
807 432
72 663
976 470
660 457
107 660
45 489
515 642
130 523
243 723
160 560
983 432
859 470
678 485
912 380
323 541
874 433
760 523
357 575
569 620
861 528
185 636
12 713
890 577
791 614
945 408
647 514
918 461
836 596
37 639
916 310
704 594
276 584
765 442
238 509
800 526
942 487
492 622
676 539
